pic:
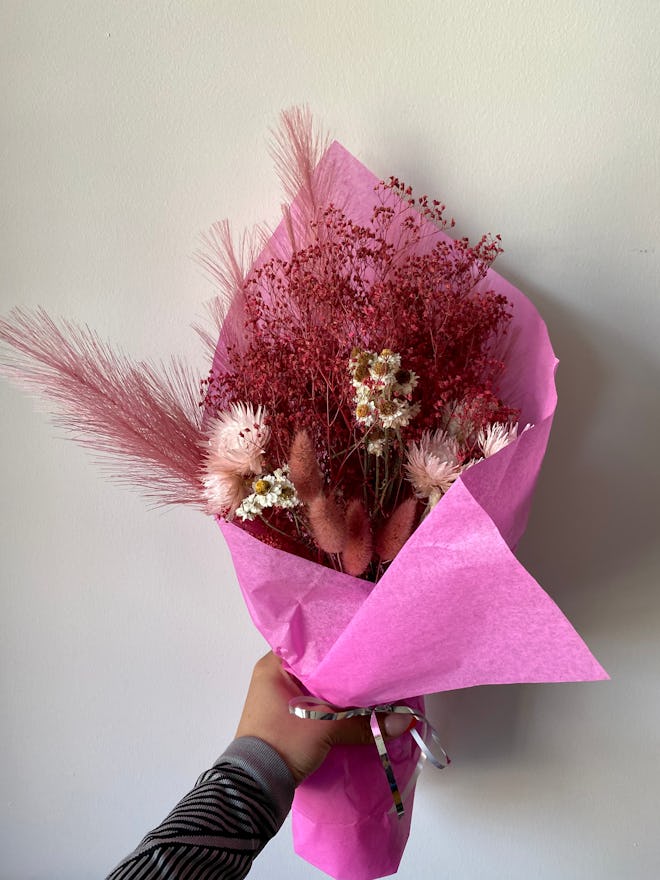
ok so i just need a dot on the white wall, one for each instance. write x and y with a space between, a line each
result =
127 129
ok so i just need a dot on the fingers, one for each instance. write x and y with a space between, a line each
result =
270 679
350 732
357 731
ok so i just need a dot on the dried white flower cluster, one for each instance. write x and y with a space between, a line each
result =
270 490
382 389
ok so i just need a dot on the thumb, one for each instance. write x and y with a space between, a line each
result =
396 724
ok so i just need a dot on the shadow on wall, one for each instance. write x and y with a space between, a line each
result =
595 515
593 534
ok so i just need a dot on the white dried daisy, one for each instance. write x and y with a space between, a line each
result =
405 382
396 413
250 507
287 496
363 393
265 489
365 412
384 367
269 490
377 447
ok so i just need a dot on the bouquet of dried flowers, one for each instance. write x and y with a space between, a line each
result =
358 439
362 381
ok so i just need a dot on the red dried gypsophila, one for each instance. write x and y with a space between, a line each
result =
394 283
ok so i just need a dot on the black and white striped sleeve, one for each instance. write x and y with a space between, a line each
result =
218 828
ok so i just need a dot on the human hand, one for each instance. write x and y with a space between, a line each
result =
303 743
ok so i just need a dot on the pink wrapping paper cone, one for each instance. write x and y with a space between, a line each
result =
344 820
454 609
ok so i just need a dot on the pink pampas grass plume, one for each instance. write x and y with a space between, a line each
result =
359 542
227 264
327 523
144 418
304 470
396 530
296 149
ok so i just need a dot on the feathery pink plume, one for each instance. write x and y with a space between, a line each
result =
143 417
396 530
327 523
304 470
359 542
296 149
226 264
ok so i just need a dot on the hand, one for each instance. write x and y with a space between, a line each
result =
303 743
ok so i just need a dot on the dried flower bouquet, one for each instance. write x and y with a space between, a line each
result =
358 439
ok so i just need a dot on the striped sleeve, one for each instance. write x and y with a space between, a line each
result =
219 827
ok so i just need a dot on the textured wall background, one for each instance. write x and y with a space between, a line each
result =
126 650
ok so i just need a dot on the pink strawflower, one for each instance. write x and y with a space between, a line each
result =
496 437
237 442
440 444
239 436
432 466
226 483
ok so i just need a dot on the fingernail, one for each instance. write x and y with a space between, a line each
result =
397 723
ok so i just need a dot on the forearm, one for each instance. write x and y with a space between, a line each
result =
220 826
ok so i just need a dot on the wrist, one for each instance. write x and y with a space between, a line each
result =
266 766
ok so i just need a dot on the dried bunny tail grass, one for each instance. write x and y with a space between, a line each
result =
304 470
396 530
297 148
327 523
146 420
359 542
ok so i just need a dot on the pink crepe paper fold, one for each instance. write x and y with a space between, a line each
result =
455 609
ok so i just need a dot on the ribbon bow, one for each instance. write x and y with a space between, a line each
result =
319 710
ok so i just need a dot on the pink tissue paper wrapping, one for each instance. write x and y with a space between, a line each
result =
455 608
